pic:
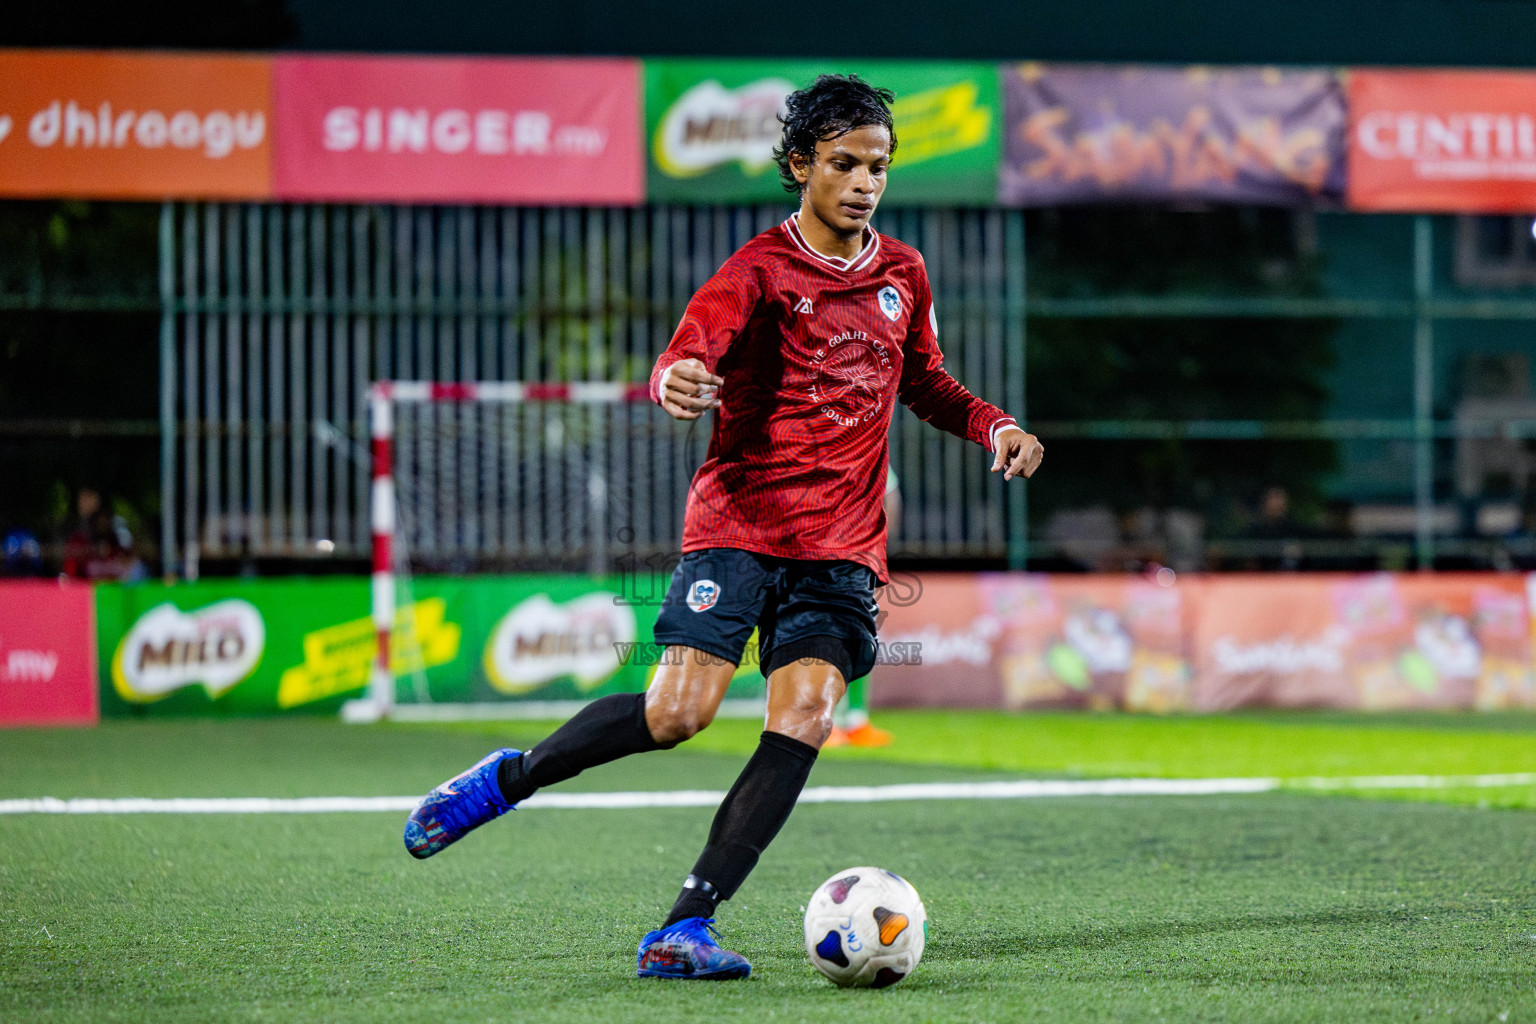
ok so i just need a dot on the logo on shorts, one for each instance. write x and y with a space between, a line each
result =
890 303
703 595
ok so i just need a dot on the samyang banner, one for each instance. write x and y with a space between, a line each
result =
712 125
1102 133
526 130
1452 141
135 125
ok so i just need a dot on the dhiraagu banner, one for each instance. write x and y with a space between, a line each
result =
268 646
712 125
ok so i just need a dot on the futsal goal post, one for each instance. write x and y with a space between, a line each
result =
505 476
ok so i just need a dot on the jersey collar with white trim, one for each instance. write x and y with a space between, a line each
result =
859 262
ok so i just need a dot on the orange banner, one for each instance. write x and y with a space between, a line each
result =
1015 641
1207 643
135 126
1370 642
1455 141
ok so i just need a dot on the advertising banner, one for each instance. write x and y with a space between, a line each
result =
1011 640
47 654
1454 141
135 125
1371 642
1209 643
266 646
458 130
712 125
988 640
1101 133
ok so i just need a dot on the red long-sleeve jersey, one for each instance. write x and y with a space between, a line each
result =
814 351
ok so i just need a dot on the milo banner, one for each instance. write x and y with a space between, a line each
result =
255 647
1210 643
1096 133
712 125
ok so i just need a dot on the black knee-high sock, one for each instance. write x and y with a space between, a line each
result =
754 810
607 729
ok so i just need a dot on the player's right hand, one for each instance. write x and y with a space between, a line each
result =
688 389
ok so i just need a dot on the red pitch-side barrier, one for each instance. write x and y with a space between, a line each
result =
47 653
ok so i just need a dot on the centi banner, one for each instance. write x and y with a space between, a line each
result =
1458 141
1210 643
712 125
459 130
1097 133
258 647
135 126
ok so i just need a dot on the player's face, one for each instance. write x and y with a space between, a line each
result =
844 183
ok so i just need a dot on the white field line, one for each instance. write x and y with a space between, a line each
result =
1022 789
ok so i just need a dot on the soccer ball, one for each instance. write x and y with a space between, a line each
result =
865 928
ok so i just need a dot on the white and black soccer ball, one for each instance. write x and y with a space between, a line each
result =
865 928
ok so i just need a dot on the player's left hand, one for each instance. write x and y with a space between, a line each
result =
1019 452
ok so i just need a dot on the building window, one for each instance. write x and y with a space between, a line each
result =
1495 252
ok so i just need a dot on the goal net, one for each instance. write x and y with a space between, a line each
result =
522 538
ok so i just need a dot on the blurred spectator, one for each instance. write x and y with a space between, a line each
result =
1279 535
101 546
1084 537
21 554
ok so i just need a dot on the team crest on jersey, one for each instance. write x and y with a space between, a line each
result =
851 374
890 303
703 595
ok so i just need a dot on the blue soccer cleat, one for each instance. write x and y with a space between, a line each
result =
688 950
457 807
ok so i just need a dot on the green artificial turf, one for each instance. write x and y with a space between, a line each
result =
1277 907
1193 746
1287 745
313 756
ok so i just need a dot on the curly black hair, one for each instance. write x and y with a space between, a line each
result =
830 108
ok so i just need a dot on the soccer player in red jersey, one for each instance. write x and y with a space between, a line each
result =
801 345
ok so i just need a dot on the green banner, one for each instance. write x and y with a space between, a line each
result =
264 646
712 125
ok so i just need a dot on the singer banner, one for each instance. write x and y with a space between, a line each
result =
459 130
1097 133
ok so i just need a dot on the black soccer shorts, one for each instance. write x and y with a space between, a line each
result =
802 609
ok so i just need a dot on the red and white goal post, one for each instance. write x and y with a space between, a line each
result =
383 399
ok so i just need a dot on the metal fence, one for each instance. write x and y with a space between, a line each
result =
275 319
